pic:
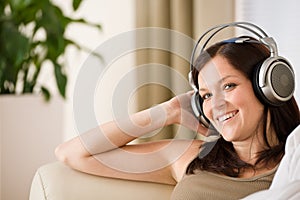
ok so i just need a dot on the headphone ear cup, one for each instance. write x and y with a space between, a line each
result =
274 81
196 103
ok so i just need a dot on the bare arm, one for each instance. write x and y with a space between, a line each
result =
104 150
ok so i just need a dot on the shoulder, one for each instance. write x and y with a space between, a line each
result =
189 150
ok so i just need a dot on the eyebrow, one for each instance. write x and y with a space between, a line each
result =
220 81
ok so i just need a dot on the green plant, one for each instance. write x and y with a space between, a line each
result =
23 53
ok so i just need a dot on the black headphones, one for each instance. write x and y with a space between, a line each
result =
274 79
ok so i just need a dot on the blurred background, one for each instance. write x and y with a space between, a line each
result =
31 127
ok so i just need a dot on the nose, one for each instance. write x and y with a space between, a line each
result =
218 101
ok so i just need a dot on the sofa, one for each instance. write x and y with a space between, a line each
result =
55 181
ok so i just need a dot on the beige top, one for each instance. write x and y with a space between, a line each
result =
207 185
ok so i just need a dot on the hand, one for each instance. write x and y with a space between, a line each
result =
181 107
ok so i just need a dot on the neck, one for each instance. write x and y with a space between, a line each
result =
249 148
248 151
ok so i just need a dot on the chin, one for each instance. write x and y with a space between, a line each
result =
228 139
228 135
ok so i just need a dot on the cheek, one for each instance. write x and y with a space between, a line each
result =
207 110
249 105
248 97
238 100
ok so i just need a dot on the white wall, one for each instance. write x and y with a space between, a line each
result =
115 17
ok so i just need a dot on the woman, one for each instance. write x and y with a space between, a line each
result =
242 161
254 133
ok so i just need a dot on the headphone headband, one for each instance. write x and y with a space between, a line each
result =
261 34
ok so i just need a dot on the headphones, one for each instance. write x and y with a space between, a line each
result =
274 79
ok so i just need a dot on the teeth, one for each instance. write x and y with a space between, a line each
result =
225 117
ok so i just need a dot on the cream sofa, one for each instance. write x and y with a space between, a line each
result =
55 181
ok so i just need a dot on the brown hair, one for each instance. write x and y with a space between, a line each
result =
222 157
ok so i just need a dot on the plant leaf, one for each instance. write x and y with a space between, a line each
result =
20 4
61 79
83 21
76 4
46 93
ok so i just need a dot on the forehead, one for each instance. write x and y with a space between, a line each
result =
215 70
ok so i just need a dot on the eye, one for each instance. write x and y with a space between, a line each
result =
229 86
206 96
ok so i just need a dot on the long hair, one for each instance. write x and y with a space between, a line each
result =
222 158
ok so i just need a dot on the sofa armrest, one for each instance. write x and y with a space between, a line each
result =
56 181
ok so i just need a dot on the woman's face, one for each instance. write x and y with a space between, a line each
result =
229 100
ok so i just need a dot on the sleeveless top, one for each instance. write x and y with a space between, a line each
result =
207 185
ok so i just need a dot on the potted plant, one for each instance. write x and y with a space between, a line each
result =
32 33
23 51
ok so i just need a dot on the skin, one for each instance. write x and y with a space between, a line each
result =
90 155
106 150
230 94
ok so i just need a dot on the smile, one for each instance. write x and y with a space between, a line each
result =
227 116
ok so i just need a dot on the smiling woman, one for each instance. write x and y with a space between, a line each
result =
250 127
252 137
245 156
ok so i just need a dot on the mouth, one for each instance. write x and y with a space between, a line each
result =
227 116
